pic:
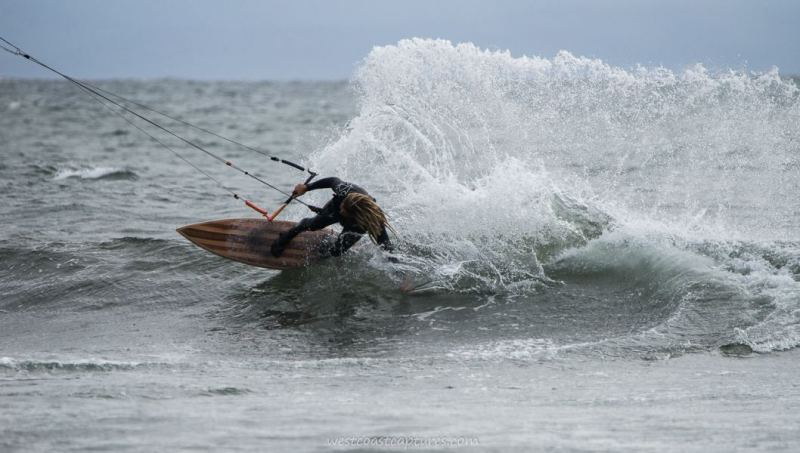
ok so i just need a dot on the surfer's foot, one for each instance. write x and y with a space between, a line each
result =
277 248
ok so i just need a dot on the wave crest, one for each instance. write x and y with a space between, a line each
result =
95 173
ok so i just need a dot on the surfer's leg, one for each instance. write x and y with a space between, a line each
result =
344 241
315 223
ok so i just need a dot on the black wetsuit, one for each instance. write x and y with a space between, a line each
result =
328 215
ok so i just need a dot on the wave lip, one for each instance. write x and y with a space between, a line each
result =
95 173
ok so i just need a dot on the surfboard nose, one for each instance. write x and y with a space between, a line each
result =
187 230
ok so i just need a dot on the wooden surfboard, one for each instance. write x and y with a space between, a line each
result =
248 241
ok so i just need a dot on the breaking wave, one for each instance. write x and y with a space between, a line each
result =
513 174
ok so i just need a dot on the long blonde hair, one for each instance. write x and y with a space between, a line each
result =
366 214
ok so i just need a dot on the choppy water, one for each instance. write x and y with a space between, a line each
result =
604 258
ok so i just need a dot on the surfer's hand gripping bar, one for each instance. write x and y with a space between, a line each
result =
296 193
299 190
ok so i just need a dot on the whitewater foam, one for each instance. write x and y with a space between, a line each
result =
98 172
493 166
459 138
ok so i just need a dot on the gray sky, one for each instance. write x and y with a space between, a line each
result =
317 39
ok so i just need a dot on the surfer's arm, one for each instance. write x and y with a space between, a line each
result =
324 183
384 242
339 187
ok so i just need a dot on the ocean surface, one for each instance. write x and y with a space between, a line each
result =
600 259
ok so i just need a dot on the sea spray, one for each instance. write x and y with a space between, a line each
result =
493 166
442 125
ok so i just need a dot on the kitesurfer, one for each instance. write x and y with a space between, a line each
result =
351 206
